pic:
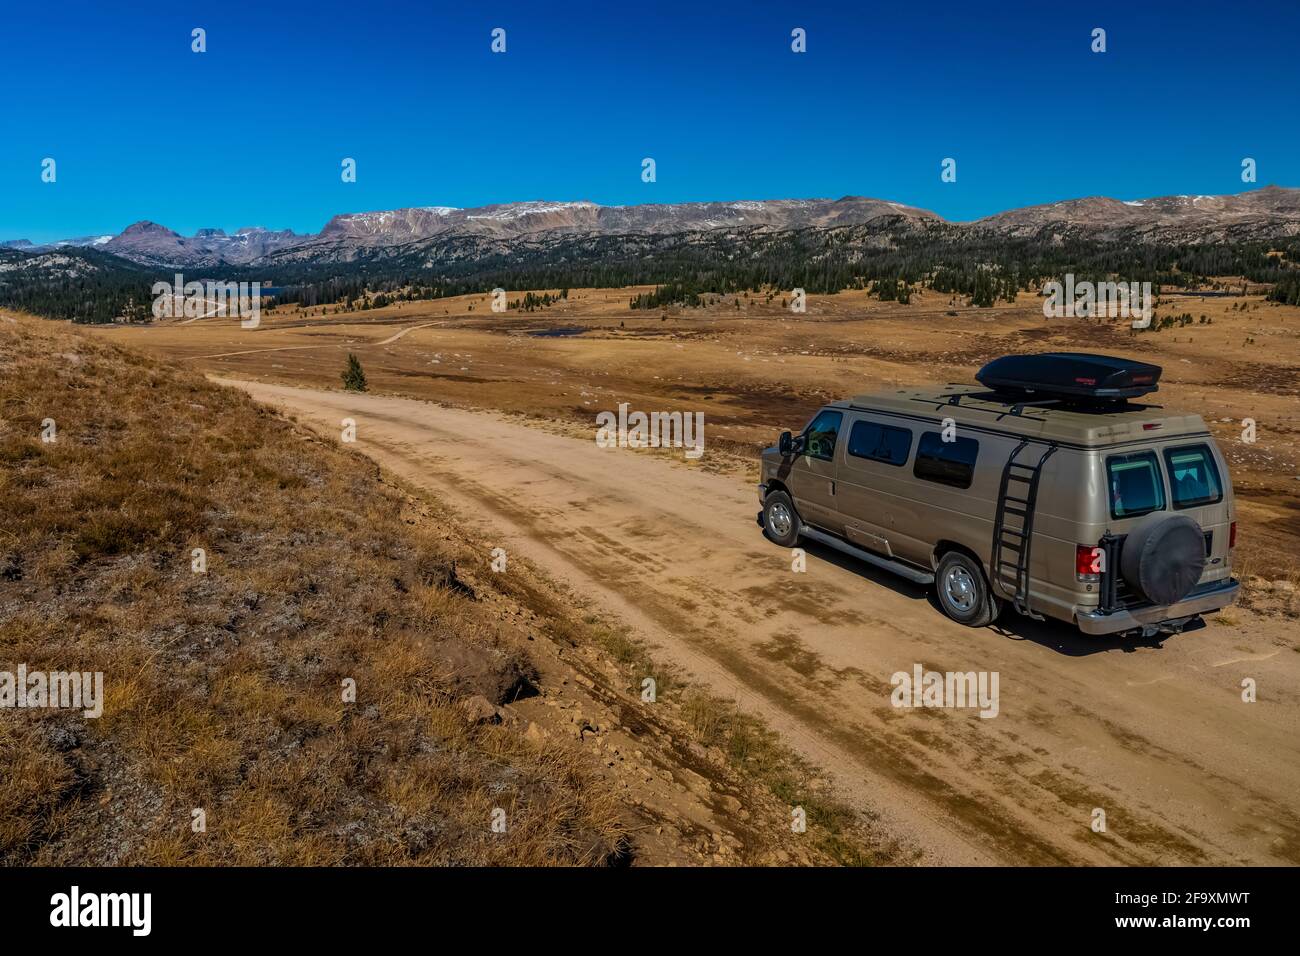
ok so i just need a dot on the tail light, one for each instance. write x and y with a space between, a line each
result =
1088 562
1232 536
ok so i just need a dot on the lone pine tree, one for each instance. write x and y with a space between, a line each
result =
354 379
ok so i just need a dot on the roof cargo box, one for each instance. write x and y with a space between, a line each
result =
1070 374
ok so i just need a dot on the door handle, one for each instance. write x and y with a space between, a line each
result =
832 487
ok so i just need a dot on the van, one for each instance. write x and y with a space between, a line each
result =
1047 487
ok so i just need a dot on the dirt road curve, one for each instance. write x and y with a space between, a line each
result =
1158 737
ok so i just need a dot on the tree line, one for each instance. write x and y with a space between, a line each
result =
891 261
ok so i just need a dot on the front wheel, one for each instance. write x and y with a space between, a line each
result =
780 520
963 593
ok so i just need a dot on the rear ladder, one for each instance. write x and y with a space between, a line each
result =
1012 576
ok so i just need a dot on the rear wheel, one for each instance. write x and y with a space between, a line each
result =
963 592
780 520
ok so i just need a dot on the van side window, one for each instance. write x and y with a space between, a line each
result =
880 442
1136 487
1193 476
819 436
947 462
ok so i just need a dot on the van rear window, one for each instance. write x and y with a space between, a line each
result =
880 442
1193 476
1136 487
947 462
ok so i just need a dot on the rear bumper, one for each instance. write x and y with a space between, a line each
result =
1218 595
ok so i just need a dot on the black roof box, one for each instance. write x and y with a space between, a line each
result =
1070 375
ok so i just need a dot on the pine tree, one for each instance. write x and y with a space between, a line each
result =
354 379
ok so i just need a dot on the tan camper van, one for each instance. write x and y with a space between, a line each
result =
1048 486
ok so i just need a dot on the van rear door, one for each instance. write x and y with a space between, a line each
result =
1186 476
1198 488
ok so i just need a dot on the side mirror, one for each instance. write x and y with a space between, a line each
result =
785 444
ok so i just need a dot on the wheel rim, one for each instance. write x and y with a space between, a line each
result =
959 588
780 519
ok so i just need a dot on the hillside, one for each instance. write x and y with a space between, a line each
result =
224 687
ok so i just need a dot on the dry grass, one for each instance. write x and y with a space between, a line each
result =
1270 580
224 689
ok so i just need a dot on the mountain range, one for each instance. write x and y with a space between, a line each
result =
1268 213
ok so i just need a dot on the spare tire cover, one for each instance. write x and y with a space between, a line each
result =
1163 557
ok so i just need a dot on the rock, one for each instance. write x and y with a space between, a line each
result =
11 568
473 669
535 733
62 739
480 710
694 782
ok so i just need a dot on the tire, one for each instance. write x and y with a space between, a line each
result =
779 516
963 592
1163 557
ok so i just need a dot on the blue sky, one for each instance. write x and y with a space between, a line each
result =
252 132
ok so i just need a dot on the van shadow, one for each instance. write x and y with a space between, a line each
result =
1057 636
823 552
1068 640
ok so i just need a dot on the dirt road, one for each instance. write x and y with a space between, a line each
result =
1156 736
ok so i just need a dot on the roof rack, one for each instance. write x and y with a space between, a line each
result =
1019 407
1018 403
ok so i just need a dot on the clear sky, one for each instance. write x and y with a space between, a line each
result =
253 131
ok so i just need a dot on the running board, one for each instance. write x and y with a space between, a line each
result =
915 575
